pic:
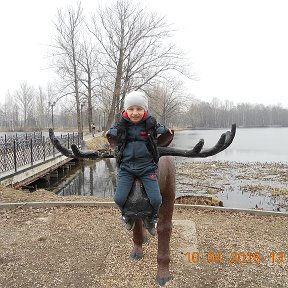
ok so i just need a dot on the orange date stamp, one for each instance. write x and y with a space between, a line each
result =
241 257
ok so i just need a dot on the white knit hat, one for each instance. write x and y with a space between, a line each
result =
137 98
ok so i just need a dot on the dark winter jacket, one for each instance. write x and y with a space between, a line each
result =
136 154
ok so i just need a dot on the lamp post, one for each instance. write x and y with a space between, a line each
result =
52 104
82 104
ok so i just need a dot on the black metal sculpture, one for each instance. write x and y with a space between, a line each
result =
137 204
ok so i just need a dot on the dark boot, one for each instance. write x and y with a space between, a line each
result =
150 223
129 222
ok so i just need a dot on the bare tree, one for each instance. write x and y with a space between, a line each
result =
67 51
165 100
6 112
40 100
134 49
9 114
24 98
90 79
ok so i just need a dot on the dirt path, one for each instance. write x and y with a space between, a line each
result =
88 247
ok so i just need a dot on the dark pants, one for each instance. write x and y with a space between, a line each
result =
149 179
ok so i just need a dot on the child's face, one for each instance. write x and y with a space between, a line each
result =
135 113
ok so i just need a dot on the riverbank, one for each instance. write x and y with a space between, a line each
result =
237 185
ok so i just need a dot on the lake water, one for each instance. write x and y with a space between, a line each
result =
97 178
250 145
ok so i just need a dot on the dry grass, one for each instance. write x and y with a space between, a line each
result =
18 195
97 143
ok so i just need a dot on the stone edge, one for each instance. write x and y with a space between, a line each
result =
112 204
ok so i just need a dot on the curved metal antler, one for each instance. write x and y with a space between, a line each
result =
224 141
76 153
91 154
58 146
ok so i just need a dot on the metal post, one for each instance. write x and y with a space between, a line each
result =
82 104
44 156
52 116
81 114
52 104
31 151
14 155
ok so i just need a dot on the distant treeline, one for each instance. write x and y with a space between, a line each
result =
218 115
199 114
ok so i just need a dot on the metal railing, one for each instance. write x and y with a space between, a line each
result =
16 152
20 136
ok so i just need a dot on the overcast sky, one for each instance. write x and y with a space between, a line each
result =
239 48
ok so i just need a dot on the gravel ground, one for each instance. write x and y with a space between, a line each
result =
88 247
